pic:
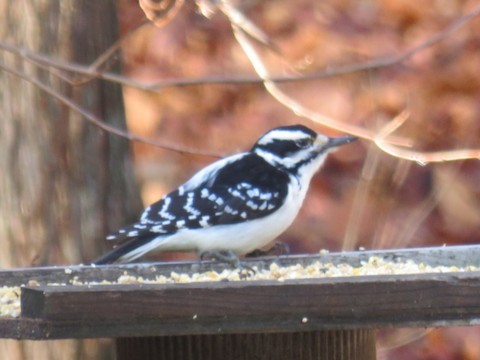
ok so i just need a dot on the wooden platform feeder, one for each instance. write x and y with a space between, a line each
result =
313 318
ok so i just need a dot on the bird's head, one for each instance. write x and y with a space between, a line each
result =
297 149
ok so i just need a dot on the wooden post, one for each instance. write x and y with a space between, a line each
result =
308 345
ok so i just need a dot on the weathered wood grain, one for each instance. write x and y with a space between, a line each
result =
56 312
258 306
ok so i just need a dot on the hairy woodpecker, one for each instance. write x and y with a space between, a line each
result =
235 205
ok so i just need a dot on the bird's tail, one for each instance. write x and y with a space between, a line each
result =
110 257
126 252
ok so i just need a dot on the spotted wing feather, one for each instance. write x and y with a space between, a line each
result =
239 191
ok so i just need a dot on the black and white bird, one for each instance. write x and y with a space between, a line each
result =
235 205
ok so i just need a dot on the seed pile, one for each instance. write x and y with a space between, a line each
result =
10 301
10 296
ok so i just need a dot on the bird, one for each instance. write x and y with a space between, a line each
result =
233 206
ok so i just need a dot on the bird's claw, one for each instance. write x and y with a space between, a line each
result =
280 247
230 258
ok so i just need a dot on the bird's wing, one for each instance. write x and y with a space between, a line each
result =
153 218
202 208
206 176
228 191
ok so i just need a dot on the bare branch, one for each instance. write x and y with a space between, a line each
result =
421 158
238 19
92 70
99 123
288 101
390 145
382 140
106 56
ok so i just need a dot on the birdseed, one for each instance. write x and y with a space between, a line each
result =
10 296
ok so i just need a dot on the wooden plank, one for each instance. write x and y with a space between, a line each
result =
250 306
454 255
247 306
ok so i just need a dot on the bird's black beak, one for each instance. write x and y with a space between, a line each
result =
338 141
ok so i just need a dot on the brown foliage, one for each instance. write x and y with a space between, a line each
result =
363 197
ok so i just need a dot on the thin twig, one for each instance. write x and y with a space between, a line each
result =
212 80
387 145
291 103
421 158
99 123
382 139
105 57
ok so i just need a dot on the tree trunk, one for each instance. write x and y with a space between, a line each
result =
64 183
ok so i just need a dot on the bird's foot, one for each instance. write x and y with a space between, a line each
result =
225 256
229 257
278 247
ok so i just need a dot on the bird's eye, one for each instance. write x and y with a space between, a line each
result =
302 143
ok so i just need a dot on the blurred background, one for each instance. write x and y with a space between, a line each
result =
362 198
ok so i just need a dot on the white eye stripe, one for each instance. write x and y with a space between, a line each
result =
282 135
